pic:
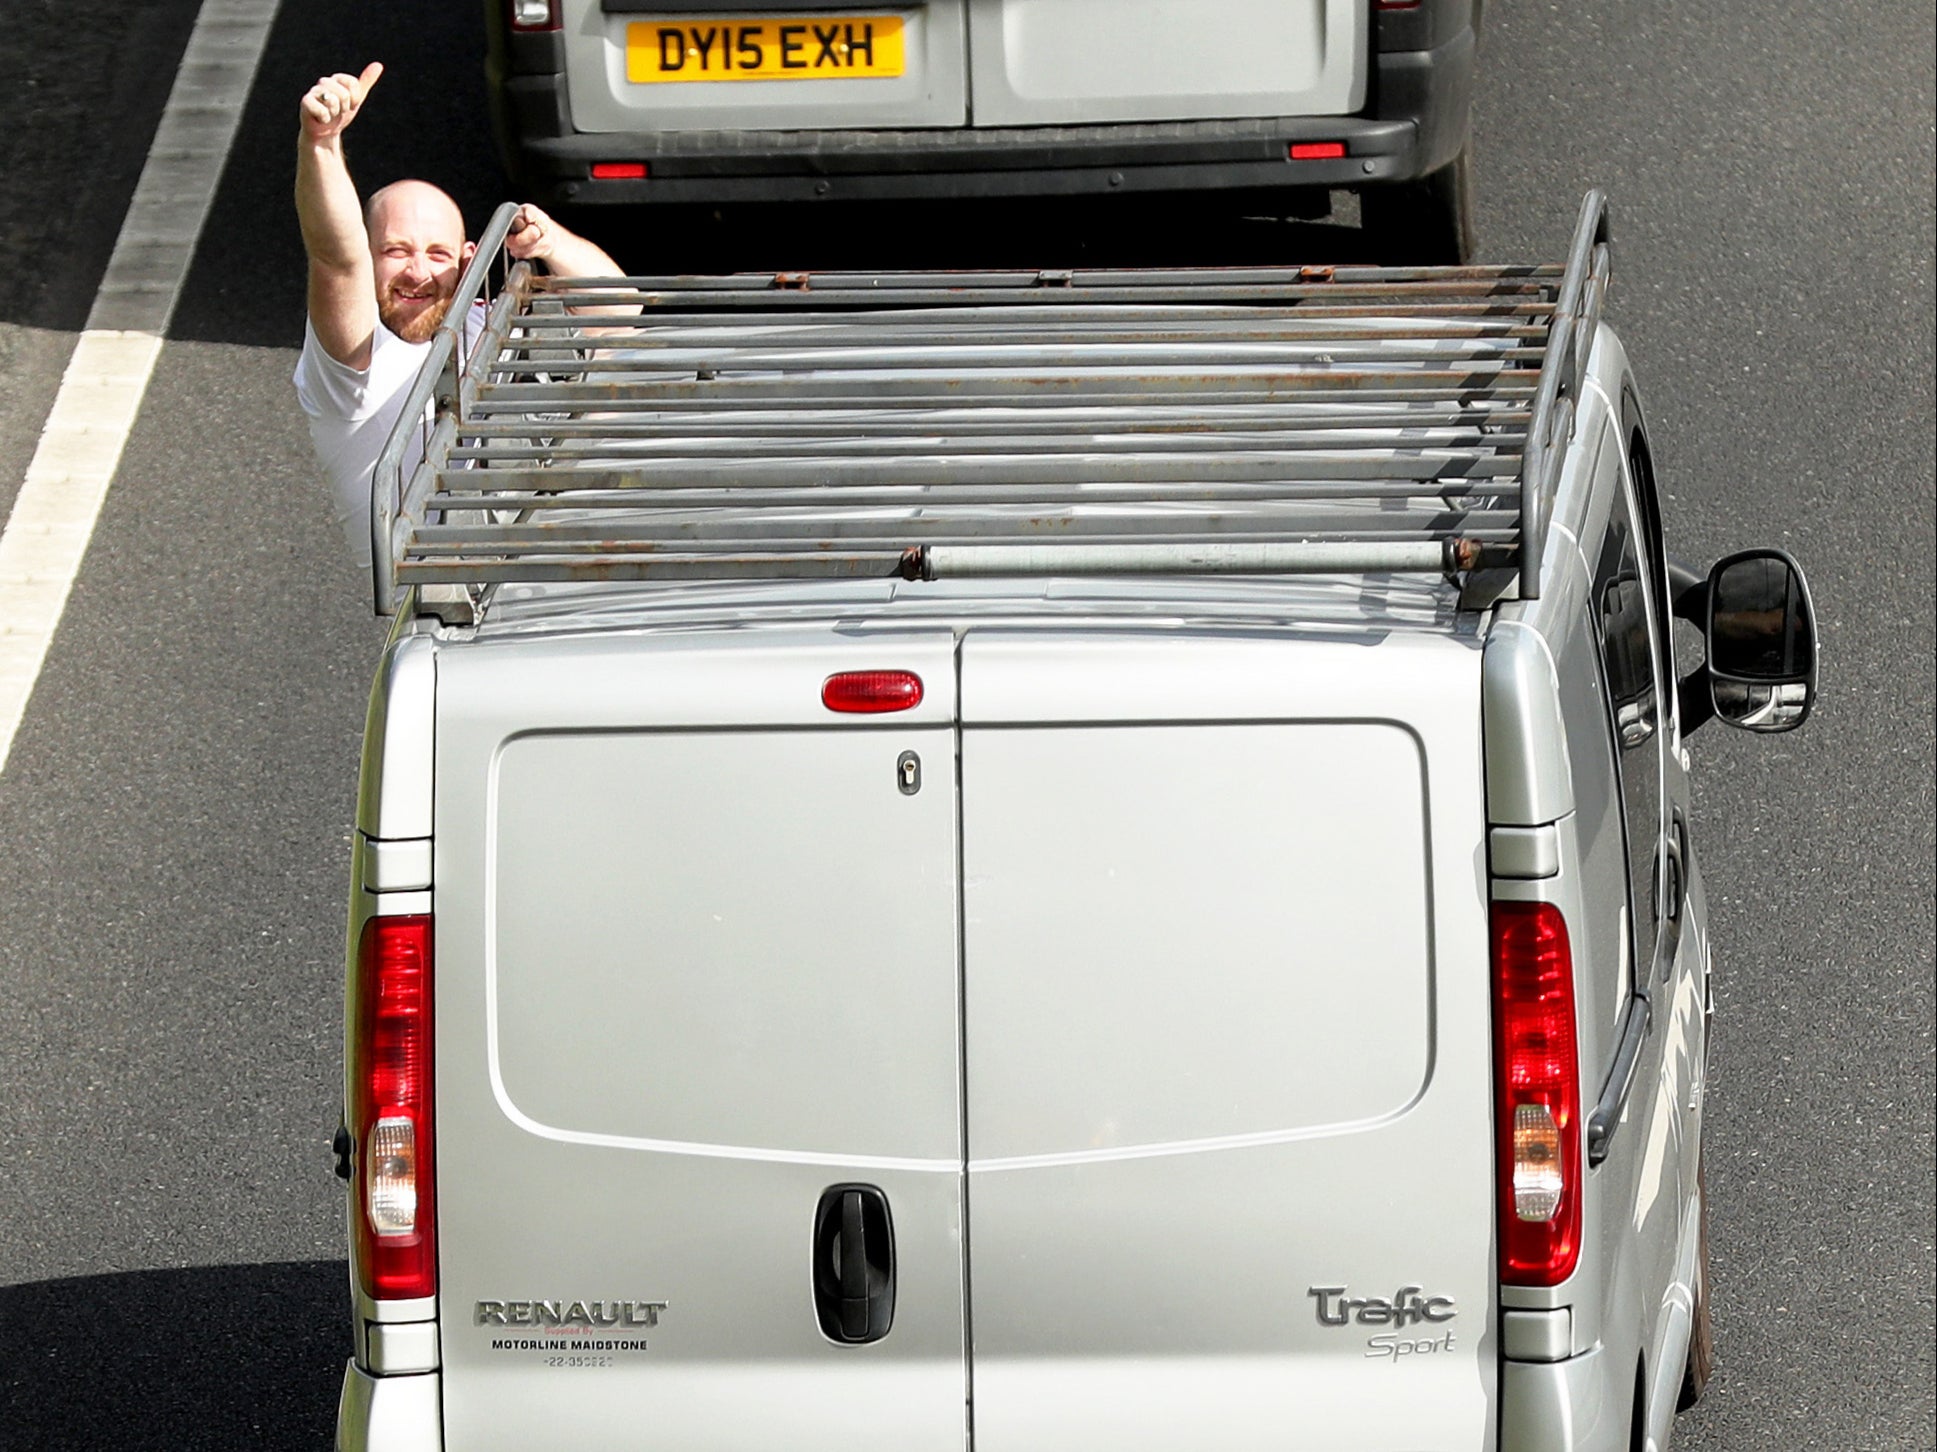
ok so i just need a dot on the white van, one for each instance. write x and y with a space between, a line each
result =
1039 861
712 101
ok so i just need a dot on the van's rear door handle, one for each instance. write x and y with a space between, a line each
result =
854 1264
853 1255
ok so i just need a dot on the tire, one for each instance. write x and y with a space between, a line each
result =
1424 223
1701 1336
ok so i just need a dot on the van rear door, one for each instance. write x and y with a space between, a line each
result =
1077 62
696 967
1227 1043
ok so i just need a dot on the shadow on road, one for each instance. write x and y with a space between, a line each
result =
217 1357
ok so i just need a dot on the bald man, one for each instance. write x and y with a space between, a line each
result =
381 278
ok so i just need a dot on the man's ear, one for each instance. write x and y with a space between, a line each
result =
470 251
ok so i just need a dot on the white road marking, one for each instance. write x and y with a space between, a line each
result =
100 394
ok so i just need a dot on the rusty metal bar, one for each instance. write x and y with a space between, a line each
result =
1045 471
657 332
882 422
476 492
696 398
871 425
1251 383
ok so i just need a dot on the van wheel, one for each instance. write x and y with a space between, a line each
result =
1701 1339
1424 223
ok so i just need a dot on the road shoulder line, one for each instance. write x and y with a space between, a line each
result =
80 445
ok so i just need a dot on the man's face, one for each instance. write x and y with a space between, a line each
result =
417 250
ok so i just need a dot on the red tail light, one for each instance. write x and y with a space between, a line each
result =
871 691
619 171
1316 150
1539 1094
533 14
390 1067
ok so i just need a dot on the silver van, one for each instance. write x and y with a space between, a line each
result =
1039 861
712 101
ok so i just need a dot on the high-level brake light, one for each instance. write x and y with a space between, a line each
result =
1538 1114
390 1067
871 691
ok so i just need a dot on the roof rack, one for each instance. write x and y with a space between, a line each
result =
928 425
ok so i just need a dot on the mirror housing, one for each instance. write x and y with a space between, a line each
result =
1761 638
1759 634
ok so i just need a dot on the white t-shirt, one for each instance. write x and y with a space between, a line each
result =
351 414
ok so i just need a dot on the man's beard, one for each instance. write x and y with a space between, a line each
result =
418 327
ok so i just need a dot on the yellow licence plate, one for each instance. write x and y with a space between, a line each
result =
777 48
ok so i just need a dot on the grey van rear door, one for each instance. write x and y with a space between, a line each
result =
1227 1044
696 964
1077 62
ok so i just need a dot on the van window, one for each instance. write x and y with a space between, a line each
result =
1632 674
1641 480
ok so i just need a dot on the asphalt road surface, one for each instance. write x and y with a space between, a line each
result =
174 819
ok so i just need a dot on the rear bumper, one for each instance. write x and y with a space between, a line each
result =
1414 123
389 1413
1563 1406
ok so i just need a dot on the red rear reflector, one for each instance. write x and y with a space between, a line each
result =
390 1068
1538 1108
1398 4
869 691
619 170
1317 150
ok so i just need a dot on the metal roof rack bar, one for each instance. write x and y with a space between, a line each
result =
1577 317
943 425
445 365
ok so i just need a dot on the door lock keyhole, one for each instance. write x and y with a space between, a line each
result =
908 773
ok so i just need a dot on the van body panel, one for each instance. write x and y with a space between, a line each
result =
1583 1404
1261 668
1604 970
622 897
397 780
666 1028
1582 506
1225 970
1184 934
1527 780
387 1413
1037 62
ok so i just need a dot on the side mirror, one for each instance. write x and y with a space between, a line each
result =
1760 632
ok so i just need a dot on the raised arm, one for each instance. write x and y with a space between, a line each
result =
541 238
342 290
